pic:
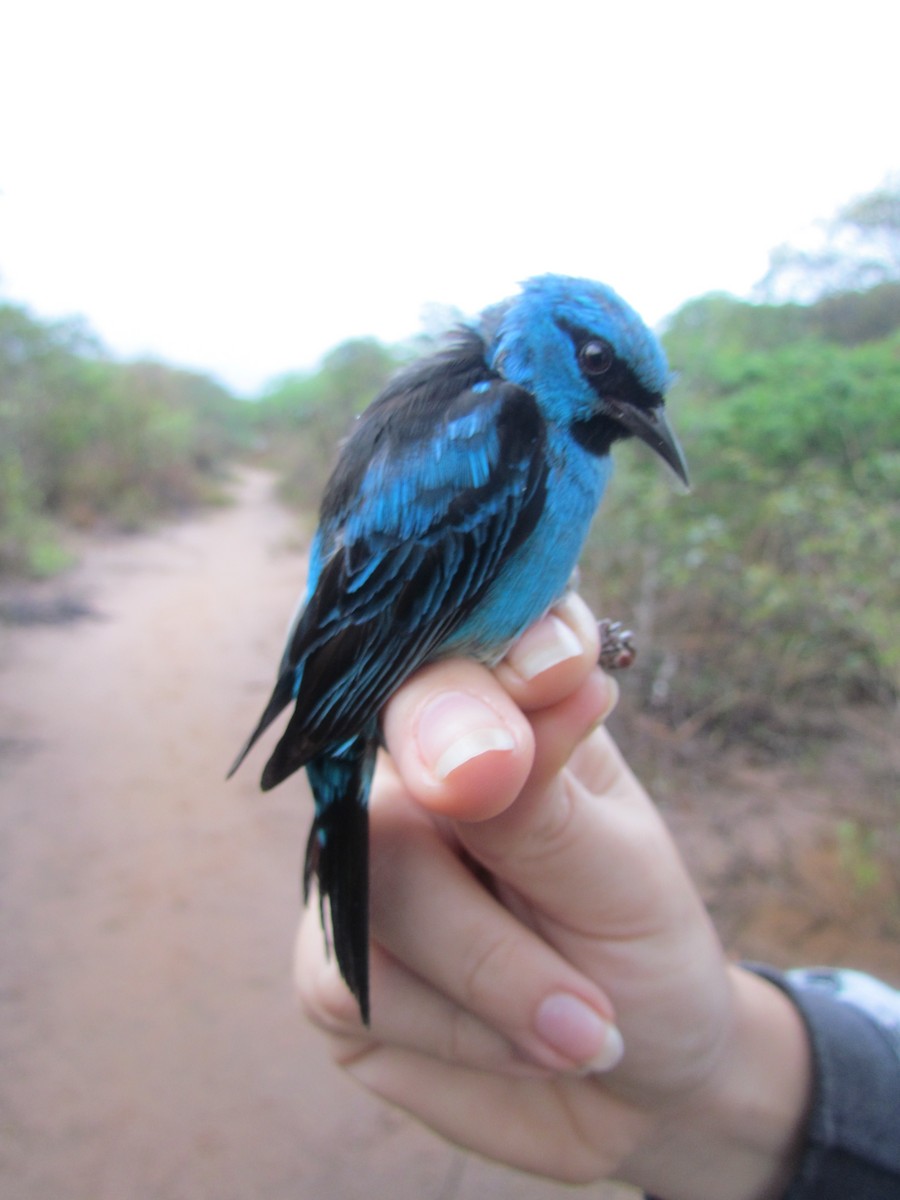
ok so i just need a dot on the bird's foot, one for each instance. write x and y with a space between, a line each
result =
617 650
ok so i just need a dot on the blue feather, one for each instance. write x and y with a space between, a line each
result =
453 520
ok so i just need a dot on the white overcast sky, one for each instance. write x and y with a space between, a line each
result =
237 187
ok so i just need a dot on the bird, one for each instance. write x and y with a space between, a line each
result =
453 519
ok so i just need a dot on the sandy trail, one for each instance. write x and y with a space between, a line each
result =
150 1045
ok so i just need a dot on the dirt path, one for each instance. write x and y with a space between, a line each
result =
149 1042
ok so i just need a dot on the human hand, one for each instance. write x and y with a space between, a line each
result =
530 914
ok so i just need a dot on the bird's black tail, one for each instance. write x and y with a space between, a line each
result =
337 855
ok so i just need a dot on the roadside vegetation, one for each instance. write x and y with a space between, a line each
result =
771 590
86 440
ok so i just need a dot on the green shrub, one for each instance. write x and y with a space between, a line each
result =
767 596
86 439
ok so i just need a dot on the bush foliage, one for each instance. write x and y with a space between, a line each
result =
772 588
302 418
86 439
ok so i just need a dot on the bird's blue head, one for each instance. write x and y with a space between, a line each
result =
590 361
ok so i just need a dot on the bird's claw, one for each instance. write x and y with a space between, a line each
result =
617 649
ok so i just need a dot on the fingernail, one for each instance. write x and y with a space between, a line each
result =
610 1056
579 617
577 1031
549 642
454 728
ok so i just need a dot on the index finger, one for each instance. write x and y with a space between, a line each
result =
459 734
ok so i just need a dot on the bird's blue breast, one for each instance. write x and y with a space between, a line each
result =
537 574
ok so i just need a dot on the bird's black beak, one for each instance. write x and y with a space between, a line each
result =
651 426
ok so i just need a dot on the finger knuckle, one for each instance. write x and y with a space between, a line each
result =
489 967
554 830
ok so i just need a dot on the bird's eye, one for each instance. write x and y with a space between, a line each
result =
596 357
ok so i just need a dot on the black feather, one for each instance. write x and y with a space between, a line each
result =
278 701
407 411
337 856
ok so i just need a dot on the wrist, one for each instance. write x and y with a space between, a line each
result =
740 1134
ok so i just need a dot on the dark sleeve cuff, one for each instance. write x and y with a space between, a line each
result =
853 1138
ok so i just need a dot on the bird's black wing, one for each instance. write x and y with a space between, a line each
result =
432 494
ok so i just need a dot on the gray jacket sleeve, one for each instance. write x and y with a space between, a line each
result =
853 1137
852 1149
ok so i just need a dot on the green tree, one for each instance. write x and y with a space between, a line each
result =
304 416
771 590
84 438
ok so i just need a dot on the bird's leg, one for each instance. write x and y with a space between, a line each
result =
617 650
